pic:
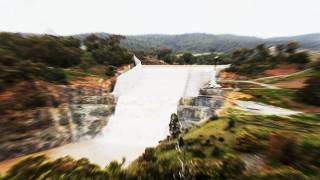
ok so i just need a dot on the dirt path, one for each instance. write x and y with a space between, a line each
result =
261 108
280 77
268 86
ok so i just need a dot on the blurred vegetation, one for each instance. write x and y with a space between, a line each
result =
210 58
33 57
288 147
311 92
277 97
199 42
256 60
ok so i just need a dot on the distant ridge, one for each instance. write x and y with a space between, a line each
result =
201 42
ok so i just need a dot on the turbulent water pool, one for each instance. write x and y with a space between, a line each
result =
147 96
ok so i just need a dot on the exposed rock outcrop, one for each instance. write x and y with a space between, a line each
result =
37 116
192 110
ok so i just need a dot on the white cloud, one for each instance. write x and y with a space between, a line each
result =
245 17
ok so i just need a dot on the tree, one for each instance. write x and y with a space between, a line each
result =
107 51
174 126
280 48
299 57
187 58
311 92
292 47
163 53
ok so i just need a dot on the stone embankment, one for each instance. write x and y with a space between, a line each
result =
192 110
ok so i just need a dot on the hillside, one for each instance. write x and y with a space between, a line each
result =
200 42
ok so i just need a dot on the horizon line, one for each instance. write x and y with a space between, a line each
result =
165 34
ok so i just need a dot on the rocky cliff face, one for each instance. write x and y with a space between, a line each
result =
37 116
192 110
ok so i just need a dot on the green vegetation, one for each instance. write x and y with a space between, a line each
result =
274 79
174 126
254 61
188 58
107 51
277 97
287 147
284 97
311 92
45 57
36 57
199 42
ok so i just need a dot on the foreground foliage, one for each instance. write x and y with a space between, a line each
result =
287 147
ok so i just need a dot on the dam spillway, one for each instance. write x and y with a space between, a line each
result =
147 96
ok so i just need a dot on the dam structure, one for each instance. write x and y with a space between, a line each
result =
147 96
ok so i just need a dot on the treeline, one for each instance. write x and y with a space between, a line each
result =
199 42
311 92
187 58
44 57
256 60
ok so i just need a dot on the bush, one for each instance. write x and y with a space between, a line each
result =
232 167
246 142
197 152
300 57
111 70
203 169
282 174
64 168
221 139
55 75
283 148
149 155
310 150
161 169
216 152
312 90
231 124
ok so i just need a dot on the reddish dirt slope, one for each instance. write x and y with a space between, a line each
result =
282 70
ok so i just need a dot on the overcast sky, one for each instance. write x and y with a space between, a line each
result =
264 18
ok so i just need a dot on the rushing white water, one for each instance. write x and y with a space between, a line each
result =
147 96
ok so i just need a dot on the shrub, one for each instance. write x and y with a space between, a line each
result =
197 152
300 57
283 148
310 150
232 167
203 169
160 169
216 152
282 174
246 142
111 70
231 124
55 75
312 90
149 155
221 139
